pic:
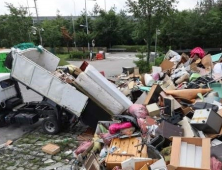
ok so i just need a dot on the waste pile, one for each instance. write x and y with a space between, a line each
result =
168 119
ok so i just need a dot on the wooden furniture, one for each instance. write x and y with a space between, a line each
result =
126 145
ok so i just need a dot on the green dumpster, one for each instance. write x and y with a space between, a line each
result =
3 54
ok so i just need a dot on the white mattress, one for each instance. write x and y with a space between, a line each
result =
108 86
99 94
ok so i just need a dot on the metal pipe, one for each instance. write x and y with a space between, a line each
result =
40 36
105 4
155 47
87 29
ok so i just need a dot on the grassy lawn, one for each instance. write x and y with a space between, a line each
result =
65 57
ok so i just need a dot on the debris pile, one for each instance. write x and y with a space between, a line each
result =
173 122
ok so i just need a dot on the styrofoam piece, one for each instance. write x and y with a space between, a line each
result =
130 163
160 164
188 131
99 94
215 142
108 86
183 153
190 157
198 157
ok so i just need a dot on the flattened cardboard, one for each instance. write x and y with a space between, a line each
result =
207 62
92 163
175 153
166 65
168 84
51 149
176 104
153 95
139 165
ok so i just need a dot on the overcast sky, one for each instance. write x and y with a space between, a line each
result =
74 7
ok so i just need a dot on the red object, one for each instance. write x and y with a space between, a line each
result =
116 127
215 164
143 123
102 72
138 110
84 65
83 147
107 137
198 51
99 56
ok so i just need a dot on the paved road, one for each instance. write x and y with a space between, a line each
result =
112 65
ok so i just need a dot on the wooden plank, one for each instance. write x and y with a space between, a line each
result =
112 158
175 152
206 153
145 167
139 165
124 148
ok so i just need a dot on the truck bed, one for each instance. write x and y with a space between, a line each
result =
34 70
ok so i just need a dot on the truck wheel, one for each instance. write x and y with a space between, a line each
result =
50 125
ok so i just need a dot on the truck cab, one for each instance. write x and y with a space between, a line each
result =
8 89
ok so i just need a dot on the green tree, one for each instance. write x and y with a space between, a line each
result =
106 28
52 35
15 27
144 11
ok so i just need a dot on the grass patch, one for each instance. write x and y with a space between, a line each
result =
63 58
66 57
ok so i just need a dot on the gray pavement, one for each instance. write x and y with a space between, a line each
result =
112 65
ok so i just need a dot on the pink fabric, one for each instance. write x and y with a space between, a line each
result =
83 147
116 127
107 137
156 76
199 51
215 164
138 110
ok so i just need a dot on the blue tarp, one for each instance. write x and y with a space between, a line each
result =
216 57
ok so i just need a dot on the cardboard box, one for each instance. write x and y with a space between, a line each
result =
153 110
51 149
153 95
204 158
125 145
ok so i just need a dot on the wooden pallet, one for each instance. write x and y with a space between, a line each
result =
124 145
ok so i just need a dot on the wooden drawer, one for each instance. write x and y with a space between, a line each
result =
127 145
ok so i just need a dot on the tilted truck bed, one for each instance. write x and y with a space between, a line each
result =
34 69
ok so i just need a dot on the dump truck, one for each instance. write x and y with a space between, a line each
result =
62 103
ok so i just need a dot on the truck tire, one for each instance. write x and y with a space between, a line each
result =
50 125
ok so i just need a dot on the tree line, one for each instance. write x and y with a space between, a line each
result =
136 25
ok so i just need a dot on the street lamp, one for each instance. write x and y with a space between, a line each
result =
40 36
34 30
87 27
157 33
105 4
73 23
